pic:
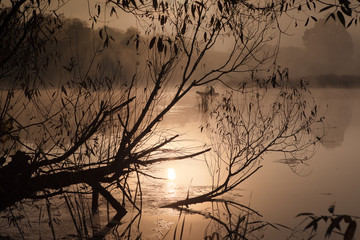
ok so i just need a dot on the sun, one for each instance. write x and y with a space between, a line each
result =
171 174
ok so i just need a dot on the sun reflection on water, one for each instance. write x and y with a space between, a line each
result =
171 189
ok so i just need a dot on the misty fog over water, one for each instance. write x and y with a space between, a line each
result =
329 56
279 191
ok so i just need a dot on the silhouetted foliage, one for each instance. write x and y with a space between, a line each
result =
94 132
333 223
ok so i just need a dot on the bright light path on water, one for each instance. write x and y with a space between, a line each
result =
171 174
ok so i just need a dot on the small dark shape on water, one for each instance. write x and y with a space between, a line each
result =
205 97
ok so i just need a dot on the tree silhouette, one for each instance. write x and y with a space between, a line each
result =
91 132
328 46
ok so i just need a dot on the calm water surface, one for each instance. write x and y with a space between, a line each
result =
277 191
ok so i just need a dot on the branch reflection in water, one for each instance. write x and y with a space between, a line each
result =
226 220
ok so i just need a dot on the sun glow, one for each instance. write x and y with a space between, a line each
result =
171 174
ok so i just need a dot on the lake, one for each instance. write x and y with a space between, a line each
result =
277 191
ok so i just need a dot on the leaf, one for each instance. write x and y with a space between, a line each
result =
273 81
218 25
341 17
314 18
337 222
350 231
63 103
128 41
200 4
152 42
183 30
307 21
347 219
113 11
193 8
64 90
160 45
155 4
125 4
137 44
282 7
332 15
101 33
106 42
304 214
313 224
349 24
176 49
134 3
163 6
212 20
347 10
220 6
326 8
334 224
